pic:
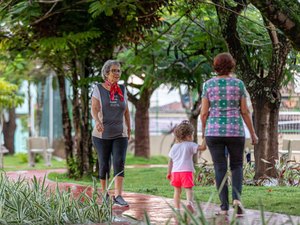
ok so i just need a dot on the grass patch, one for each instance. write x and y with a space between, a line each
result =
62 177
19 162
152 181
132 160
274 199
15 163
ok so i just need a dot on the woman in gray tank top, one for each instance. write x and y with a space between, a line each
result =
112 128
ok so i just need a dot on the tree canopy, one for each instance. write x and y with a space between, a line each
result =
75 37
8 95
284 14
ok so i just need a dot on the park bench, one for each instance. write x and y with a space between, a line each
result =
39 145
3 150
288 148
291 149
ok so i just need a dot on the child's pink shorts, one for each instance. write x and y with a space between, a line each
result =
182 179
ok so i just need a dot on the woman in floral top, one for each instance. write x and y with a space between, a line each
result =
224 107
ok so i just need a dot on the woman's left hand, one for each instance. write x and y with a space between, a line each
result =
99 127
254 139
128 134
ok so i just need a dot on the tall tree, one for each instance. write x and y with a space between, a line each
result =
16 67
13 69
284 14
193 42
82 34
8 99
178 54
263 79
141 81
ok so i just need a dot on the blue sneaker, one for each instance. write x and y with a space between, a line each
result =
120 201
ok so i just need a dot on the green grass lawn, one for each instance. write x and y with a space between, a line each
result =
19 162
131 160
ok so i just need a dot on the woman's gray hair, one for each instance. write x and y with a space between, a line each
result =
106 67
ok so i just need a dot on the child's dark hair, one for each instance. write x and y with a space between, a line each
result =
183 130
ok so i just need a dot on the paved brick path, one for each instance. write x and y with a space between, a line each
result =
156 207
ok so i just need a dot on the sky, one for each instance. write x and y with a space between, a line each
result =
162 96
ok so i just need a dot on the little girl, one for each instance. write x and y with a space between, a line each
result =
181 166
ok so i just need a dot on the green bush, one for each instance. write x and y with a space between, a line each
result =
38 158
22 157
29 202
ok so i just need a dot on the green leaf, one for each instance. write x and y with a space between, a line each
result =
108 12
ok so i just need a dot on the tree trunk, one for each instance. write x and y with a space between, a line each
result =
87 153
142 139
266 123
194 115
194 121
66 121
77 146
264 93
9 129
81 120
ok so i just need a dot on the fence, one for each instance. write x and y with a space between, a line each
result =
289 122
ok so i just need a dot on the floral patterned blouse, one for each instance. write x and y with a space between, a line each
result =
224 96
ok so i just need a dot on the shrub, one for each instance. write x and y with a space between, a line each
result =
22 157
31 202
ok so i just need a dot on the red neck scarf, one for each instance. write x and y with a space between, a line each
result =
114 88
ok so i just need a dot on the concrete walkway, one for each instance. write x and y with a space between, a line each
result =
157 208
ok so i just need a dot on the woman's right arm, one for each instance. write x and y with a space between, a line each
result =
170 166
95 113
204 113
248 121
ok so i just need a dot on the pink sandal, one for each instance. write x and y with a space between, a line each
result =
222 213
190 207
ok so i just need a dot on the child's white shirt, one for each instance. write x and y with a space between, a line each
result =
182 156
